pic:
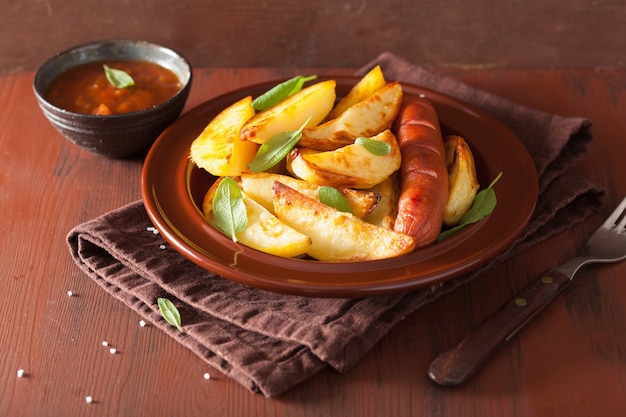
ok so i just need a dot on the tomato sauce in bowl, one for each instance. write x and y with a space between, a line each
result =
85 89
78 100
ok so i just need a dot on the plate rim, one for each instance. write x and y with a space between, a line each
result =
210 259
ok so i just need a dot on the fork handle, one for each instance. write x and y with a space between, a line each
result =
455 366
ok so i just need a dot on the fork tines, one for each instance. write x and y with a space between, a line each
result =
618 217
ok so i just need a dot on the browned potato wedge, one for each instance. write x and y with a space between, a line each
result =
219 149
366 118
385 212
463 183
351 166
265 232
259 187
314 101
368 85
337 236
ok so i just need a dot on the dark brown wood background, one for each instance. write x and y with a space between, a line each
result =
339 33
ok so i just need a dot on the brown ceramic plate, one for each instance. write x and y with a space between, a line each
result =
173 189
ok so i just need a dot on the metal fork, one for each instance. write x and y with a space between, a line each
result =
455 366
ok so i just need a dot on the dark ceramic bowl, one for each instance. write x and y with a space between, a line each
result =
120 135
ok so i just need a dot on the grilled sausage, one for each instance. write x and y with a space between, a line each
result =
424 175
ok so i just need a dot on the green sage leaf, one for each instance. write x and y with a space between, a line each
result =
334 198
229 209
118 78
275 149
280 92
375 147
170 312
483 206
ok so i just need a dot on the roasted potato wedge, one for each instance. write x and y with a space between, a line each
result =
265 232
336 236
368 85
462 180
385 212
351 166
219 149
259 187
366 118
314 101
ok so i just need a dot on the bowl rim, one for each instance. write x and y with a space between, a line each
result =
39 89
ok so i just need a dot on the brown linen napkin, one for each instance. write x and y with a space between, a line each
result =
270 342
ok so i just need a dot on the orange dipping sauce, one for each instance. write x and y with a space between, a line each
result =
85 89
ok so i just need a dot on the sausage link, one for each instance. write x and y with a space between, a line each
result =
424 184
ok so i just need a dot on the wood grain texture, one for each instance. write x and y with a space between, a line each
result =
250 33
569 361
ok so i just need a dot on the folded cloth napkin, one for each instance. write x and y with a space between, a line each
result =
270 342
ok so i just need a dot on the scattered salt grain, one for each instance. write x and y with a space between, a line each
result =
153 230
105 343
69 293
161 246
113 351
88 399
207 375
20 373
142 323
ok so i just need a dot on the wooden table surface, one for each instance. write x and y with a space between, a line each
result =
570 361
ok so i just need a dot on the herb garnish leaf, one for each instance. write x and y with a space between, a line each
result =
375 147
170 312
275 149
229 209
484 203
118 78
280 92
334 198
